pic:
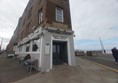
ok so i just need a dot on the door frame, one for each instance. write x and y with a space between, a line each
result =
62 52
68 50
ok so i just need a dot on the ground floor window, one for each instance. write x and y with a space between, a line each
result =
20 49
36 45
27 47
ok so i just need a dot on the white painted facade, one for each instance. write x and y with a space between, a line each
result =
44 38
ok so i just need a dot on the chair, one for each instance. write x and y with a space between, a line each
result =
32 65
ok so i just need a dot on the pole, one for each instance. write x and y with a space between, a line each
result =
102 46
1 44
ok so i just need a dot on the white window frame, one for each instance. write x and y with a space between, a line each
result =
40 16
37 42
20 48
59 15
28 45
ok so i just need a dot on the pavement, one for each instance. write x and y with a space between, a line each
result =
84 72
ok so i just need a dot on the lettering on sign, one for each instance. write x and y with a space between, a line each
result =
59 37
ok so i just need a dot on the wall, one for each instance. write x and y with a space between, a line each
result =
29 19
51 5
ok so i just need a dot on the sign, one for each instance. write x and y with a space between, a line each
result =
59 37
47 48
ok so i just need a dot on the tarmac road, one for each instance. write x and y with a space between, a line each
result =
105 60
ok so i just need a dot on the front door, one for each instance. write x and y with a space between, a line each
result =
59 53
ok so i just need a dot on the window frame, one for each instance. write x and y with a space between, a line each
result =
37 43
40 16
57 14
28 47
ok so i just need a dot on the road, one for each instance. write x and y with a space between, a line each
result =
105 60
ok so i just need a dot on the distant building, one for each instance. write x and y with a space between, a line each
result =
45 32
94 53
80 53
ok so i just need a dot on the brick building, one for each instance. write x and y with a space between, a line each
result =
44 31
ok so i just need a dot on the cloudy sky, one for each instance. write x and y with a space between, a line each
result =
91 19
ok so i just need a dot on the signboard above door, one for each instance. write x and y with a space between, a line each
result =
59 37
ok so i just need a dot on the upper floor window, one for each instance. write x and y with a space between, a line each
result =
59 14
40 16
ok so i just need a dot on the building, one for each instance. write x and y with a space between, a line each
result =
44 31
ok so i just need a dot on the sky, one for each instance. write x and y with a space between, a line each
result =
91 20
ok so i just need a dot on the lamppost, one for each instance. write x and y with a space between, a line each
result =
102 46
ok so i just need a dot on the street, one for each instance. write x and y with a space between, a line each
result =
105 59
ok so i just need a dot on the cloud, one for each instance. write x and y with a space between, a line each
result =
90 44
91 19
10 11
94 18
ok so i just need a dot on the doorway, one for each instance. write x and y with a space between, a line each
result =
59 53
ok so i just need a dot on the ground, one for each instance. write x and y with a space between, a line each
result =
11 70
85 71
103 59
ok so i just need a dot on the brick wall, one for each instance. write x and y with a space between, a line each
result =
29 18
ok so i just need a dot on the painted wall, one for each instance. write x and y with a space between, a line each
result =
47 57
